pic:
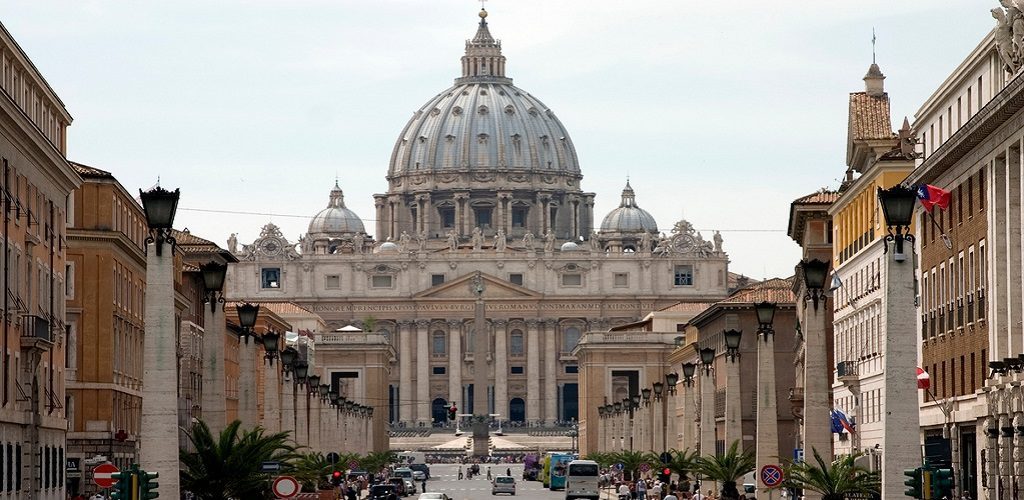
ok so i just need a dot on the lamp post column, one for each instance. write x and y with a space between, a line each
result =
671 427
247 384
767 451
733 402
658 425
532 371
159 429
707 413
214 403
272 399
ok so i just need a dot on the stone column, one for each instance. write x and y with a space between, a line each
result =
272 397
1005 451
423 373
301 429
671 426
658 425
551 352
688 402
501 369
214 404
901 418
405 387
315 440
455 364
247 384
707 413
767 406
1013 249
533 371
817 431
733 402
158 434
288 405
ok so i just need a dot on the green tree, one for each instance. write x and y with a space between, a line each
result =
603 459
228 465
632 461
376 461
311 470
683 463
727 468
843 477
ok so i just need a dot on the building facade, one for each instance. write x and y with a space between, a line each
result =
37 191
483 178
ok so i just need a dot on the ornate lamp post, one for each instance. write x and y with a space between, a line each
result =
733 418
707 401
817 432
646 427
247 315
671 433
619 427
159 429
659 416
634 404
899 391
767 405
214 404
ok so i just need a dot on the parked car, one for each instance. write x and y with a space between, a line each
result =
401 487
418 475
503 484
421 467
434 496
383 492
410 486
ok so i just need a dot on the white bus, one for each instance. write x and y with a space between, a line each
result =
581 480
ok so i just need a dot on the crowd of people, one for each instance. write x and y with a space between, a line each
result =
649 488
497 458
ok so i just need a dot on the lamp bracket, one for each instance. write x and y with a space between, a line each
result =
160 236
897 235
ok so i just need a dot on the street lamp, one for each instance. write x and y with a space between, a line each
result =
732 344
324 389
707 358
270 345
618 407
288 356
671 379
659 389
301 368
313 382
247 314
213 283
898 210
160 206
646 391
689 369
765 317
815 274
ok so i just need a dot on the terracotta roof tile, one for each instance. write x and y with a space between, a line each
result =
687 307
285 308
820 197
87 171
778 290
869 117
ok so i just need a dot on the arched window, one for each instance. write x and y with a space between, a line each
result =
438 342
515 343
570 336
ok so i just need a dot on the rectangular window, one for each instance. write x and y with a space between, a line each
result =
572 369
572 279
381 281
332 281
447 217
969 104
436 279
515 346
519 217
959 113
960 204
516 278
981 189
683 276
483 217
69 280
517 370
271 277
439 370
970 197
980 92
620 279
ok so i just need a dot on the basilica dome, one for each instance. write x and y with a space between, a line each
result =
483 123
628 217
336 220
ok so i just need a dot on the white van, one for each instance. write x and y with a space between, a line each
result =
581 480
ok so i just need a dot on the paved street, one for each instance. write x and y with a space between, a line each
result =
444 478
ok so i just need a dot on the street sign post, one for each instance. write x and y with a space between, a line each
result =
103 475
332 458
270 466
771 475
619 466
286 487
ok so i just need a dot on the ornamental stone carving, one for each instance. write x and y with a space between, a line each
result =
1009 33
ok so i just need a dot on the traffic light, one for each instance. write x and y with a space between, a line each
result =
942 483
452 411
926 483
666 475
122 489
913 484
148 485
336 478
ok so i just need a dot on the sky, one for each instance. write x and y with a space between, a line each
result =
721 113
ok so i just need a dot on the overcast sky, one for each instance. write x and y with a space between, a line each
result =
720 112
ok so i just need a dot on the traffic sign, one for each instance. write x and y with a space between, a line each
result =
333 458
103 474
666 457
619 466
286 487
352 464
771 475
645 467
270 466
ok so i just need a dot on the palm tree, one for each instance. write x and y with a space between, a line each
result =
228 466
311 470
843 478
683 463
633 460
603 459
376 461
727 468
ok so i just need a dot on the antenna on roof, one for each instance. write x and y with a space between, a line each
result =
873 38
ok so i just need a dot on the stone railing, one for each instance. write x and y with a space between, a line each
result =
351 338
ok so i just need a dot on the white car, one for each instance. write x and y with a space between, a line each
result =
503 484
434 496
418 475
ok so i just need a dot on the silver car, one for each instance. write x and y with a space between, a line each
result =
418 475
503 484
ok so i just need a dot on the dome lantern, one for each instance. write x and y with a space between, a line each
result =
629 217
336 220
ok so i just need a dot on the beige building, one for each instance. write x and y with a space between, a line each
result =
483 178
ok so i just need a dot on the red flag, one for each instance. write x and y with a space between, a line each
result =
924 381
931 196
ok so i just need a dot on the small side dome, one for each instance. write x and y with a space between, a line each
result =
570 246
387 247
336 220
628 218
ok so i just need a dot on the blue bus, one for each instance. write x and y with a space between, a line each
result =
558 468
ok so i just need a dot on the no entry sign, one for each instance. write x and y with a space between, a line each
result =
286 487
771 475
103 474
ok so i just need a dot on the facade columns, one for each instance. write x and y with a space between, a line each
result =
214 404
455 364
733 402
247 383
551 352
501 368
379 203
423 373
767 451
405 387
707 413
533 371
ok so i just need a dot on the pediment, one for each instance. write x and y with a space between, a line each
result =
462 288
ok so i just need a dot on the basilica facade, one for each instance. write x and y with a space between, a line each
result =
483 179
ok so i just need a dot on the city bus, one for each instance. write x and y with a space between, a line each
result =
555 469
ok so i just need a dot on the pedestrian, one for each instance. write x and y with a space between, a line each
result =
656 491
508 471
698 496
641 489
670 496
423 485
624 492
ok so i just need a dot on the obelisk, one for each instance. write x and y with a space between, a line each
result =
481 343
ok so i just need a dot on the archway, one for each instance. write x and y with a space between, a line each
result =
517 410
439 410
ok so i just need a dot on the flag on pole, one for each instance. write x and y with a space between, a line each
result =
836 282
841 422
924 381
931 196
